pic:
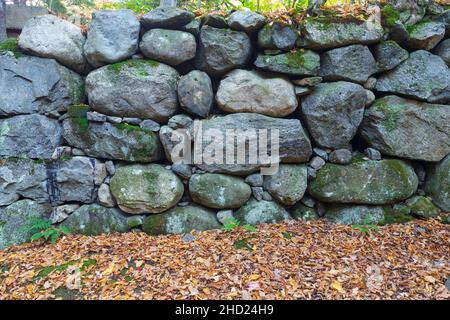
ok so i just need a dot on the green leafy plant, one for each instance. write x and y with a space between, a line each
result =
232 223
43 229
366 227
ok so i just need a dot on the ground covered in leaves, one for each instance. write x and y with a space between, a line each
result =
294 260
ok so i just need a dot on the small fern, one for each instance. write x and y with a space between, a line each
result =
366 227
43 229
232 223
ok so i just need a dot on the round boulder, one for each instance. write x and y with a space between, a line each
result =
195 93
247 21
256 212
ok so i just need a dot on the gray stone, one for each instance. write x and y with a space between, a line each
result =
241 91
95 117
32 136
266 196
134 88
443 51
341 156
320 153
48 36
105 197
247 21
304 213
284 37
31 85
78 152
169 46
93 220
317 163
59 214
302 91
288 185
352 63
112 141
333 112
372 154
184 171
166 17
388 55
132 121
370 98
181 220
61 152
219 191
257 193
22 178
112 36
255 180
224 216
110 167
145 188
215 20
425 35
192 27
180 121
422 207
256 212
407 128
298 63
114 120
370 83
318 34
437 185
360 214
220 50
294 145
365 182
135 221
308 81
308 201
195 93
15 217
422 76
150 125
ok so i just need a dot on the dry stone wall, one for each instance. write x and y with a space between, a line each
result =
87 121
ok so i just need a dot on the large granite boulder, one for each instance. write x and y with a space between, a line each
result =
15 218
422 207
425 35
93 220
195 93
437 185
112 141
288 185
181 220
317 34
250 91
22 178
247 21
353 63
408 128
31 136
388 55
277 36
219 191
365 182
167 17
422 76
294 145
298 63
112 36
169 46
333 112
35 85
443 51
135 88
145 188
48 36
221 50
256 212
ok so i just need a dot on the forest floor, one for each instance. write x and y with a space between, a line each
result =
293 260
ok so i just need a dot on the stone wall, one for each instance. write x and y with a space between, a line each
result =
86 121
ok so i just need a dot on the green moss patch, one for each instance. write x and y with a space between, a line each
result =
10 45
389 16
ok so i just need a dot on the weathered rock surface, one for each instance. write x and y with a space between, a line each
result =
219 191
333 112
443 51
167 17
422 76
220 50
37 85
48 36
112 36
145 188
437 185
304 213
277 37
181 220
256 212
388 55
22 178
134 88
247 21
365 182
250 91
195 93
299 63
169 46
353 63
288 185
93 220
112 141
325 34
294 145
425 35
31 136
422 207
407 128
14 217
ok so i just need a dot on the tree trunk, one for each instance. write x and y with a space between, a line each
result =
168 3
3 35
